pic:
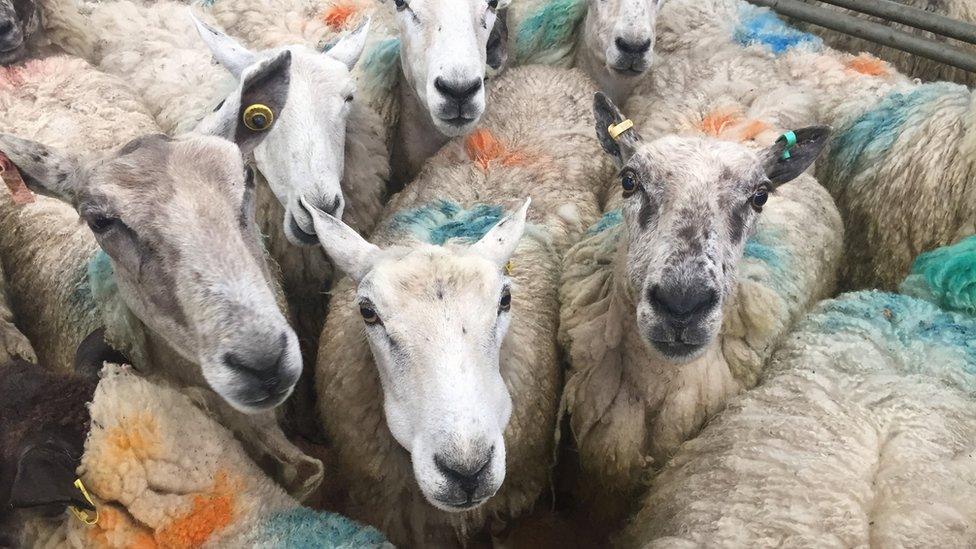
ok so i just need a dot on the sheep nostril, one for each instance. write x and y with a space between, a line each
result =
6 27
633 48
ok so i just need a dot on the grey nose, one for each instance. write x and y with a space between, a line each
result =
261 364
462 92
466 475
683 303
631 47
7 28
324 204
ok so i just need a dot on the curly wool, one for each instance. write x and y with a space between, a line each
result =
545 32
946 276
13 344
162 472
860 434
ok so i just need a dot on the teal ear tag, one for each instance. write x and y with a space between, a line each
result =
790 138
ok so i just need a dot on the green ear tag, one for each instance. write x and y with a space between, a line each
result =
790 138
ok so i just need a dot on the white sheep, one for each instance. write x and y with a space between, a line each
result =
429 377
175 272
672 303
208 494
860 434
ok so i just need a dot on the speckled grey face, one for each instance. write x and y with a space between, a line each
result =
19 20
689 205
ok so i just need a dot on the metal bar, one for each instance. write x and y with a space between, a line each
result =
911 16
867 30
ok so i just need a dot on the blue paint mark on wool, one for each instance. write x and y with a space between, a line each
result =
765 246
443 220
609 220
870 137
101 277
304 527
380 64
946 276
552 27
762 26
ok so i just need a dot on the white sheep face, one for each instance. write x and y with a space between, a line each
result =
302 157
435 318
443 53
619 34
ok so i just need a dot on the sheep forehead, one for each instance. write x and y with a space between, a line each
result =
698 169
323 74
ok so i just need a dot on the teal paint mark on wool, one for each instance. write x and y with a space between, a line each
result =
101 277
946 276
380 64
869 138
444 220
762 26
765 245
303 527
552 27
609 220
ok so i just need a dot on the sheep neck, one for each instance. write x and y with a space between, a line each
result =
416 138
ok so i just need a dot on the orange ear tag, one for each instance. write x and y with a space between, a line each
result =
11 176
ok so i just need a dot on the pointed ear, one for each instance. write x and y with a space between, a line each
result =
45 476
500 242
247 115
497 48
228 52
45 170
350 252
607 114
348 49
782 167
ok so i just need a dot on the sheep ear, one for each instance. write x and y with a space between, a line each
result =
45 170
497 48
350 47
228 52
784 162
247 115
607 114
45 476
92 354
350 252
500 242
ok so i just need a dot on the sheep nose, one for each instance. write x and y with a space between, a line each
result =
683 303
7 30
631 47
466 475
462 92
261 364
331 206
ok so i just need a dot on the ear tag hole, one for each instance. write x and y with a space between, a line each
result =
88 517
790 138
258 117
615 130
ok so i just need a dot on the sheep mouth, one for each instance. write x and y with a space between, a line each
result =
457 121
13 54
303 237
461 505
629 70
677 349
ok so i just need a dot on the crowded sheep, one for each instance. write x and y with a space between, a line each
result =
470 273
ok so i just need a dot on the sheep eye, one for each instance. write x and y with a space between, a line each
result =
492 4
369 314
506 302
400 4
629 184
349 98
101 224
759 198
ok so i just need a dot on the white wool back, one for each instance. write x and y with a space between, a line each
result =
860 435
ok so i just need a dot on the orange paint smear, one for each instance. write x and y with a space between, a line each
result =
338 15
715 122
483 148
752 129
209 514
114 529
868 64
136 436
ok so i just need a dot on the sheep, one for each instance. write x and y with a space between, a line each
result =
427 86
945 276
388 427
176 277
659 326
909 64
860 434
19 23
13 344
159 471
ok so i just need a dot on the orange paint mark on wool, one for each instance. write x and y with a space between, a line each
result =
714 123
209 514
115 529
337 15
752 129
867 64
134 437
483 148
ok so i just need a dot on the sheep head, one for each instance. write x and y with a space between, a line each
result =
619 36
303 154
175 218
689 204
19 19
435 318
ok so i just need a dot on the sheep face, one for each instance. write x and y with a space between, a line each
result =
175 219
443 54
619 34
302 157
435 319
19 19
689 205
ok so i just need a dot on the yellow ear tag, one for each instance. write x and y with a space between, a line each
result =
258 117
88 517
509 266
616 129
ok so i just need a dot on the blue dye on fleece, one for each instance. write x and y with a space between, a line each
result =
553 26
101 278
380 64
947 276
608 221
303 527
443 220
762 26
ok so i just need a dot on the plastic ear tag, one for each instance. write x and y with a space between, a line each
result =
615 130
790 138
509 267
258 117
88 517
11 176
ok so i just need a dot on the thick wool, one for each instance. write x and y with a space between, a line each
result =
861 434
912 65
163 473
13 344
529 146
946 276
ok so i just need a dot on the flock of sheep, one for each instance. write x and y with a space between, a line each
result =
465 272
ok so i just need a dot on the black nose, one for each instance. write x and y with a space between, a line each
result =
683 303
6 27
326 205
465 475
261 363
633 48
462 92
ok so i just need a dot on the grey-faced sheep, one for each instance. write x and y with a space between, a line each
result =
19 22
673 302
177 277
